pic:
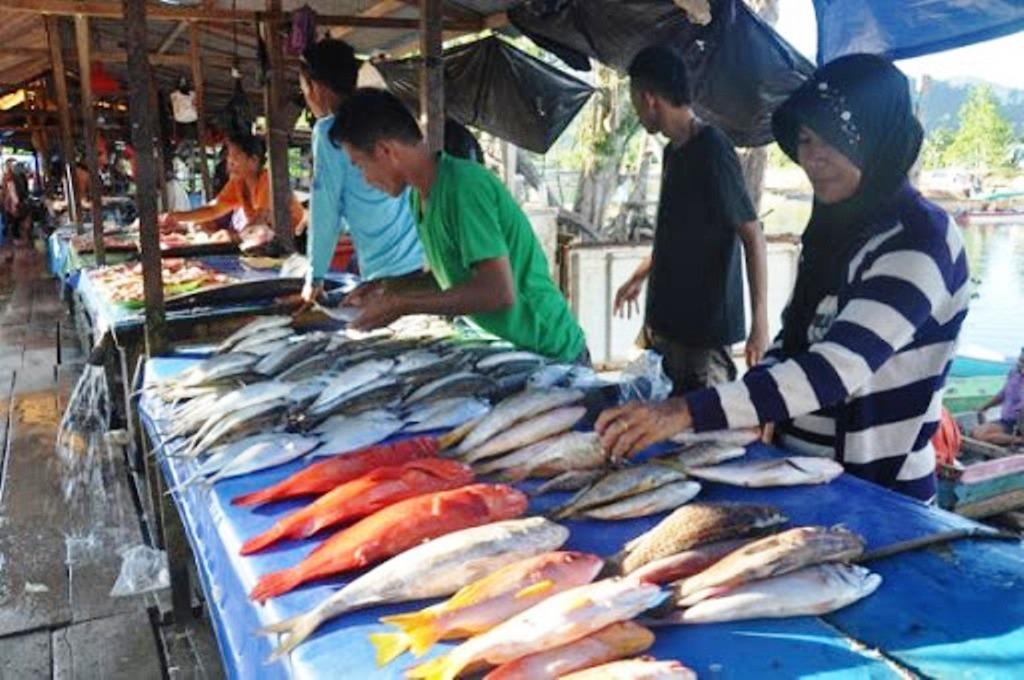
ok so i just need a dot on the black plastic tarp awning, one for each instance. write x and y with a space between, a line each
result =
740 68
911 28
491 85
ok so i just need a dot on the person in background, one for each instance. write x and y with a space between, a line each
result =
247 193
881 292
341 200
694 276
17 212
485 261
1007 430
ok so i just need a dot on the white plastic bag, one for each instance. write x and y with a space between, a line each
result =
644 379
143 569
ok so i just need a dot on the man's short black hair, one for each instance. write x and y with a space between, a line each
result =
660 69
333 63
250 145
371 115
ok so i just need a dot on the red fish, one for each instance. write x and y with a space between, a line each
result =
395 529
365 496
323 476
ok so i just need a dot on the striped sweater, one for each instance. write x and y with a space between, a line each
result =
868 389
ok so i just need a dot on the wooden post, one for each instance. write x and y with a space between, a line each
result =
143 128
90 137
197 83
60 87
277 134
432 73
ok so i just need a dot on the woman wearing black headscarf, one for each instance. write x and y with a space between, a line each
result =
870 329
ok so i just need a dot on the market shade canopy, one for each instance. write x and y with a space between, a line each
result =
495 87
911 28
740 68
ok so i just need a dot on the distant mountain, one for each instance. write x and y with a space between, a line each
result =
941 103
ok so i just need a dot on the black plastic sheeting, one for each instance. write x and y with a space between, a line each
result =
740 68
491 85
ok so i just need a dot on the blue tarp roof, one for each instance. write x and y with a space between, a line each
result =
910 28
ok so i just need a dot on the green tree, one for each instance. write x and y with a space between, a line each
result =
935 147
984 136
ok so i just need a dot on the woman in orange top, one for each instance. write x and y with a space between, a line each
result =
247 191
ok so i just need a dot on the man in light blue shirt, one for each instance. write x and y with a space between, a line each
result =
381 226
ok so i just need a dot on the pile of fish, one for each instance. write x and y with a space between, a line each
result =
417 521
344 391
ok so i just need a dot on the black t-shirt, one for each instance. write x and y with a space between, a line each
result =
695 292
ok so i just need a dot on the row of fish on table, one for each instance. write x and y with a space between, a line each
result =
417 515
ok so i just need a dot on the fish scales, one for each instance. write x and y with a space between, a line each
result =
771 556
696 524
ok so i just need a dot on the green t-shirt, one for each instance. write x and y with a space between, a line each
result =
470 217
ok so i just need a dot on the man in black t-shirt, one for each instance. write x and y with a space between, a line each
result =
695 296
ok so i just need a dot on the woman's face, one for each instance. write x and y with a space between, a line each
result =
833 177
241 164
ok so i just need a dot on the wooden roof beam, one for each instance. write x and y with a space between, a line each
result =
108 10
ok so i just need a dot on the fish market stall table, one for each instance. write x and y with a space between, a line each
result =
952 611
99 319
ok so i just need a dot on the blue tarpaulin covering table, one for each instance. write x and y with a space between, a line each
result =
953 611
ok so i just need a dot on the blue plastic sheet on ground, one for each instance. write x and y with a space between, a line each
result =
947 612
911 28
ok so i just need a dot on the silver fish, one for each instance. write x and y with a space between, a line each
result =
210 371
242 422
737 437
550 457
310 367
306 392
811 591
696 524
770 556
239 399
417 361
456 385
790 471
437 568
495 360
351 379
574 480
222 456
264 337
514 409
253 327
447 413
702 453
349 433
618 485
528 432
290 354
262 453
549 376
265 349
667 497
381 393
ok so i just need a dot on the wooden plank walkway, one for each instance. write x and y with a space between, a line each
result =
60 534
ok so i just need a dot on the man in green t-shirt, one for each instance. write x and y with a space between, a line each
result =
484 259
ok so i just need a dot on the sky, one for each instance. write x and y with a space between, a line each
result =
997 61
